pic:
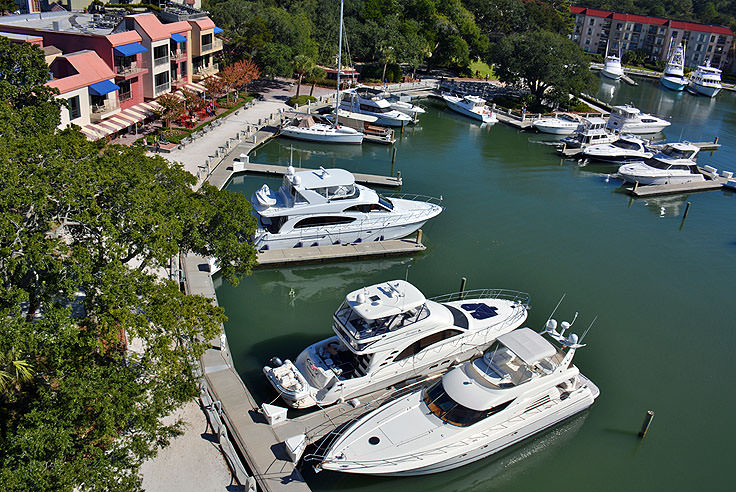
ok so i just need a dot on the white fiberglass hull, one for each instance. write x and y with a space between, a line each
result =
555 128
612 74
456 453
704 90
643 128
408 109
489 117
673 82
630 174
335 136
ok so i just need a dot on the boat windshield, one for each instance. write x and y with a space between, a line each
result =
624 144
439 403
657 164
676 153
385 202
361 328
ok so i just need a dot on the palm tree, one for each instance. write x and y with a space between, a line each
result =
317 73
302 66
13 372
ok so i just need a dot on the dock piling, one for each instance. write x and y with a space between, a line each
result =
393 157
647 422
419 236
636 186
684 215
715 141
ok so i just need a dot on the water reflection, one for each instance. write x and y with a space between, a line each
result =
607 89
303 152
666 206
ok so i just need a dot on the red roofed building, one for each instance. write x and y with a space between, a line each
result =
594 29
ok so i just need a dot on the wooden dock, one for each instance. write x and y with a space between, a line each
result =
715 183
371 179
316 254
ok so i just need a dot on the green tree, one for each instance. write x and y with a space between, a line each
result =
541 60
169 108
275 60
302 66
314 76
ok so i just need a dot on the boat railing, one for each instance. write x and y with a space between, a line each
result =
521 298
414 197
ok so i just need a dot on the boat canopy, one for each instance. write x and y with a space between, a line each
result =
528 345
626 111
383 300
322 178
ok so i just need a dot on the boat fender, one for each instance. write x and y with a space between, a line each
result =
354 402
276 362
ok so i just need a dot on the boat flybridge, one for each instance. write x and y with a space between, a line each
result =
520 386
591 131
320 207
627 148
612 67
308 129
706 80
673 76
560 124
395 101
388 333
472 106
675 163
628 119
365 101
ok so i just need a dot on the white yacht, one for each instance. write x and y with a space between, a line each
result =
628 119
320 207
561 124
673 76
591 131
706 80
390 332
674 164
411 110
522 385
626 149
307 129
612 67
364 101
471 106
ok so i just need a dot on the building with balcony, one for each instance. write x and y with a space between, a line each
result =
205 47
595 29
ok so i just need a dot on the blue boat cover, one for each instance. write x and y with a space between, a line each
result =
218 30
178 38
129 49
480 310
102 88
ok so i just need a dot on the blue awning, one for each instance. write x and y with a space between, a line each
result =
102 88
218 30
129 49
178 38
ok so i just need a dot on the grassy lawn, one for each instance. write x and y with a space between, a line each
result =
483 68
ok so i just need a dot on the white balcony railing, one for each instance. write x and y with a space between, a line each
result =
161 61
161 88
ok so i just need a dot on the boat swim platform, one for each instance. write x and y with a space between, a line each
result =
333 252
710 184
371 179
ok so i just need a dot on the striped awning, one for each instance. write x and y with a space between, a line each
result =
190 87
120 121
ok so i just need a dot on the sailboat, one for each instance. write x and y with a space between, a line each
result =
612 66
308 129
674 73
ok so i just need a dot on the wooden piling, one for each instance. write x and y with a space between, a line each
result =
715 141
645 425
687 209
393 157
636 186
419 236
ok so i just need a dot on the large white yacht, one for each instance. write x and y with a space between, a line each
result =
626 149
306 128
675 163
320 207
628 119
673 76
397 102
591 131
612 67
560 124
390 332
364 101
471 106
522 385
706 80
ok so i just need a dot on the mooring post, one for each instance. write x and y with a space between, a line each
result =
419 236
687 209
393 156
636 186
715 141
647 421
398 176
463 281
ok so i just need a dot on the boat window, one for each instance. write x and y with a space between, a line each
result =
320 221
374 109
677 153
439 403
425 342
368 328
366 208
623 144
458 318
273 224
385 202
648 120
655 163
680 167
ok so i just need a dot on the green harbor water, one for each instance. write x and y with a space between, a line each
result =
519 217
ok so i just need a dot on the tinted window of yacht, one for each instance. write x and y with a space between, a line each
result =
425 342
374 109
366 208
273 224
657 164
385 202
677 153
322 221
439 403
623 144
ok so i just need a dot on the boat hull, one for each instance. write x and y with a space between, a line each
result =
673 83
615 159
660 180
611 75
708 91
554 129
483 118
323 137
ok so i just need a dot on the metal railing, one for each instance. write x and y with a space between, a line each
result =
415 197
520 298
124 96
161 61
162 88
127 69
177 54
104 107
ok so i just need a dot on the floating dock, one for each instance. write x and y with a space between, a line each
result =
712 183
371 179
315 254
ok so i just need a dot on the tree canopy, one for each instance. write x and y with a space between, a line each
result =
86 232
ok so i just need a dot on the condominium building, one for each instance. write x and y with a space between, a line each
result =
596 29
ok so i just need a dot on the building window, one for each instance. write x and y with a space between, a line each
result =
637 27
699 48
206 42
590 31
162 82
626 36
619 25
674 34
75 110
183 69
713 38
592 22
160 55
125 93
587 41
710 48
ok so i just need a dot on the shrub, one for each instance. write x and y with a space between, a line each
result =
301 100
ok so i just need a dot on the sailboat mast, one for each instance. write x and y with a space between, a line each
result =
339 67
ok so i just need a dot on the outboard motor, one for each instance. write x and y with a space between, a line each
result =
275 362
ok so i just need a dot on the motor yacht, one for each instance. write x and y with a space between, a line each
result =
706 80
522 385
591 131
321 207
307 129
628 119
390 332
364 101
561 124
673 76
612 67
626 149
675 163
411 110
471 106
